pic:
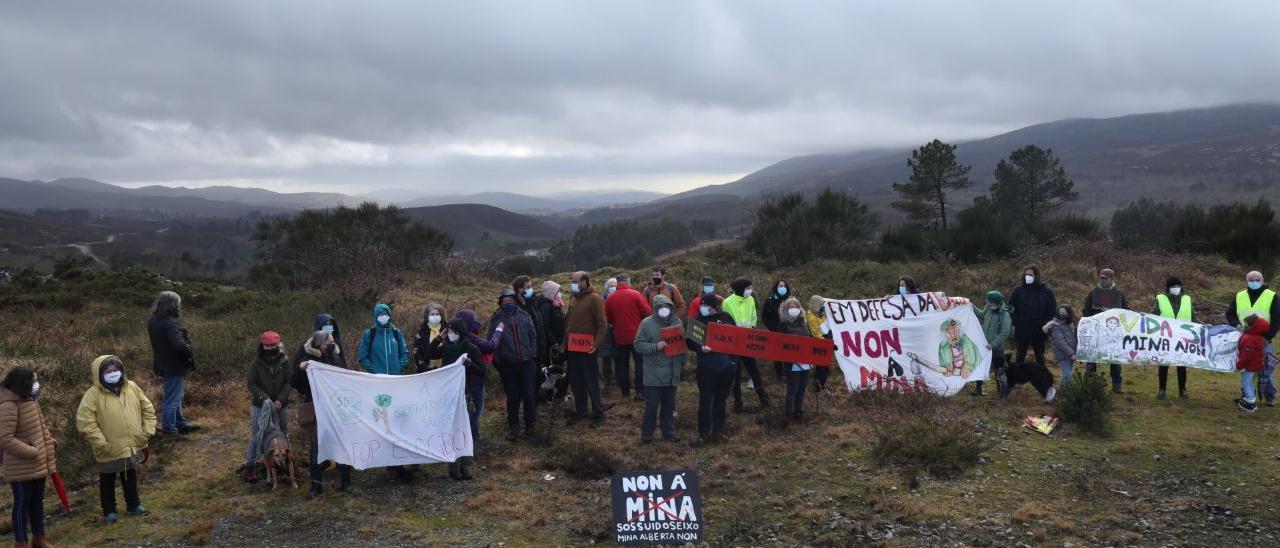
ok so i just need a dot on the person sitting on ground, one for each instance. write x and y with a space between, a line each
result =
116 419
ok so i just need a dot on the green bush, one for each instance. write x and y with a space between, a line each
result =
1086 403
790 230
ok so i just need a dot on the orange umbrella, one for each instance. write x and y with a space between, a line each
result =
61 488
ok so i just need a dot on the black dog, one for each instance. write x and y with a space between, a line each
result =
1010 376
554 385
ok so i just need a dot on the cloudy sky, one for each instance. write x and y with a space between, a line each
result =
459 97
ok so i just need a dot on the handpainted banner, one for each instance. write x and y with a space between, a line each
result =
674 337
921 342
769 345
659 507
1133 338
581 342
697 331
369 421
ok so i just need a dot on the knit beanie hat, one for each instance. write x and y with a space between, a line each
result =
995 297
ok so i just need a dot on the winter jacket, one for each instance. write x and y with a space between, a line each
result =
25 439
624 310
815 322
539 328
170 347
659 369
448 352
519 339
742 309
587 315
382 349
487 345
117 426
1033 305
714 361
996 325
341 358
798 326
268 378
1101 300
1253 347
769 312
427 333
667 289
552 326
1233 318
1063 337
298 378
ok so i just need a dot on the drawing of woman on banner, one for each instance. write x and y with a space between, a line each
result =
1113 339
957 355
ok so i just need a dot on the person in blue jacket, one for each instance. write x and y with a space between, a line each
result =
382 347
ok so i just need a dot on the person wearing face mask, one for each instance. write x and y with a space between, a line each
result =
1101 299
432 328
587 316
516 360
448 349
773 321
661 372
268 379
526 301
322 347
716 372
607 352
550 306
1062 332
659 285
625 309
1033 304
325 322
1259 300
1176 304
382 347
794 323
996 326
741 306
708 288
28 447
816 317
116 419
908 286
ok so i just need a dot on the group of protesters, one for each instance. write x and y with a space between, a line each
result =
529 342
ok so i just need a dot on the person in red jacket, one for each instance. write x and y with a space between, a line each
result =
1252 357
624 309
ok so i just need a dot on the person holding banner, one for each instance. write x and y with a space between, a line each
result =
432 327
996 327
908 286
382 347
1034 304
1175 304
662 367
1101 299
793 323
28 448
587 328
772 316
815 318
447 348
516 360
1259 300
716 373
741 306
323 347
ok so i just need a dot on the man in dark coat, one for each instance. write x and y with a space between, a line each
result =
1099 300
1034 304
172 360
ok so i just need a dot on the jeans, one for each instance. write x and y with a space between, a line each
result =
753 372
475 395
1164 377
1115 372
713 390
796 382
107 491
1246 384
252 451
622 368
171 418
344 470
1267 379
28 508
656 397
520 382
585 384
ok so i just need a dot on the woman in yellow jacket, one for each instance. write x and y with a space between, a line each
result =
117 419
28 453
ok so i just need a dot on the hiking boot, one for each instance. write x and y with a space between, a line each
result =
597 420
139 510
464 468
674 438
977 389
512 434
1246 406
1115 389
455 471
250 475
314 491
40 541
1160 395
646 441
112 517
764 398
189 429
1182 394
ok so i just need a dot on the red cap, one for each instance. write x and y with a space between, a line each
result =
270 338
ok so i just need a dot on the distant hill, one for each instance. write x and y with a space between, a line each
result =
557 203
1211 154
468 222
27 196
255 196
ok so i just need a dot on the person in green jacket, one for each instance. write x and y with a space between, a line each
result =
268 381
741 306
997 325
661 372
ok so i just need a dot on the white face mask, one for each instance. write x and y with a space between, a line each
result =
705 310
664 312
1175 291
747 292
433 319
794 312
453 337
1029 279
113 377
35 389
383 319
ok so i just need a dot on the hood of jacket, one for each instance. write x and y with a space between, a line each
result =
95 369
663 300
1259 327
325 318
379 310
469 316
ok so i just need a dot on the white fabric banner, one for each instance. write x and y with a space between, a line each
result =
1133 338
923 342
370 421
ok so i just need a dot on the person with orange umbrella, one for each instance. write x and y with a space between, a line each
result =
28 447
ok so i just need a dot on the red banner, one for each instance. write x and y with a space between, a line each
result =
768 345
674 337
581 342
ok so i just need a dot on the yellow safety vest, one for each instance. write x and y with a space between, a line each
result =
1166 307
1261 308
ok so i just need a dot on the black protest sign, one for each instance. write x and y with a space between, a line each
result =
697 331
658 507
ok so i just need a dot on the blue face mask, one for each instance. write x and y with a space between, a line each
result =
902 290
573 287
508 307
1255 285
708 289
327 329
782 291
528 292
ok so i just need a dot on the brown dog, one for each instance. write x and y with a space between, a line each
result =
280 458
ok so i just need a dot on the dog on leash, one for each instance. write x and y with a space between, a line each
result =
279 458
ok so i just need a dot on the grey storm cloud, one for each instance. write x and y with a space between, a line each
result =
353 96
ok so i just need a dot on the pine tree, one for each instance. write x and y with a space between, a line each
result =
1031 183
934 170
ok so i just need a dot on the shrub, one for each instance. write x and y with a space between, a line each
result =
1086 403
789 230
583 461
918 432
